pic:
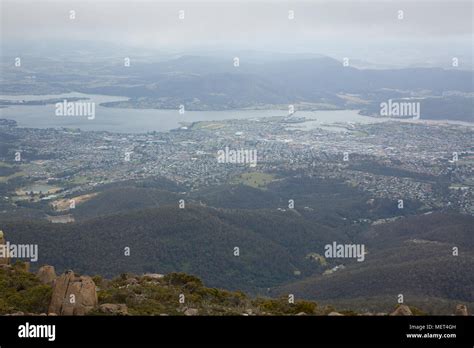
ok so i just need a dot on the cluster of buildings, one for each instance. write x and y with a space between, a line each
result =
429 163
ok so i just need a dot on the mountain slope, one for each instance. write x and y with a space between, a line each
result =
196 240
411 256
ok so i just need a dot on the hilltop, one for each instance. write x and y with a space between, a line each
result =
44 293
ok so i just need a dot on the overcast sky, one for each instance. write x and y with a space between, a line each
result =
317 25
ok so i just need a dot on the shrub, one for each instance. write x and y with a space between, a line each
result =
181 279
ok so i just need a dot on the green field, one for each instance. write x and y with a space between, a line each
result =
255 180
208 125
4 179
4 164
11 171
79 180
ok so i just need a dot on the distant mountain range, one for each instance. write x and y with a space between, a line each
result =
317 80
215 83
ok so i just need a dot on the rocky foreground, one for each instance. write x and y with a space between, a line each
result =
45 293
